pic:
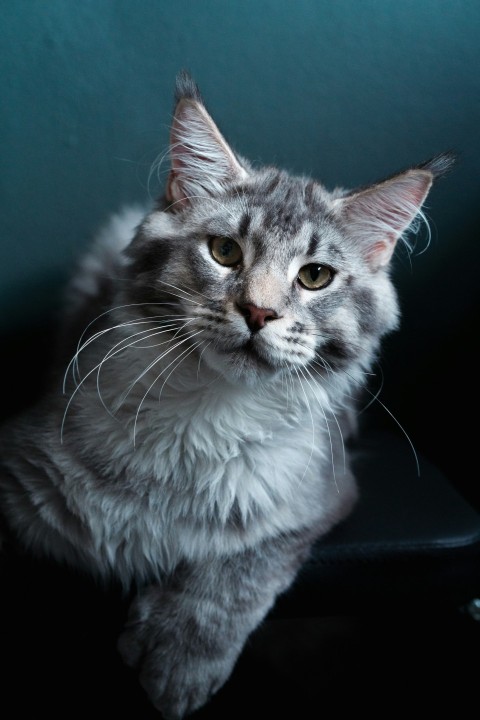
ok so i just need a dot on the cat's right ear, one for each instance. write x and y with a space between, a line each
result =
202 163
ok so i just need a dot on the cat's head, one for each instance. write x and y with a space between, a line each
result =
262 272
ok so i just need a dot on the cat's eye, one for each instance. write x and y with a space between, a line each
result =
226 251
314 276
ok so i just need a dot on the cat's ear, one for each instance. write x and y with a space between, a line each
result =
377 216
202 163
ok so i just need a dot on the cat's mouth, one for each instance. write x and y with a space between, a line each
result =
248 361
251 351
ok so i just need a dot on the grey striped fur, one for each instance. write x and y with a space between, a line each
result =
198 452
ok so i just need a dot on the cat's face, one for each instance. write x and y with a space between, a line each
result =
263 279
259 272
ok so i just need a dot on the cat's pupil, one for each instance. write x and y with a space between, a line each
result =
314 271
225 251
226 248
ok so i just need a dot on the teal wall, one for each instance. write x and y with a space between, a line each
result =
345 90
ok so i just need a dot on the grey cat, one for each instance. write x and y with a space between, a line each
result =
199 450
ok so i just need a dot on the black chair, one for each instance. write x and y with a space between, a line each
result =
412 541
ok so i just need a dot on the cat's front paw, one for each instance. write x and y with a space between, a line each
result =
179 687
178 669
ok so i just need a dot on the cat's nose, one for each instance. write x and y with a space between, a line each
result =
256 317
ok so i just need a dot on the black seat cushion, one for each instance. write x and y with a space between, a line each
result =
412 538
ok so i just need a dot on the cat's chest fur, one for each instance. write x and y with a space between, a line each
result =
213 469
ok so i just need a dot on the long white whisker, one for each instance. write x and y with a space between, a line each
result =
176 334
180 359
155 167
328 431
200 358
160 357
72 396
197 292
315 389
156 380
182 297
113 351
376 394
376 399
81 345
109 355
287 378
113 309
312 423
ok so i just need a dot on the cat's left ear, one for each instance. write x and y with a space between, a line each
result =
377 216
202 163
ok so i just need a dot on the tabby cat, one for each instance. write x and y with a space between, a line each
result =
197 448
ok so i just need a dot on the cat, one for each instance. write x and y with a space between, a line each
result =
198 448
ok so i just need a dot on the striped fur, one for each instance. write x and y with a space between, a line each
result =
197 453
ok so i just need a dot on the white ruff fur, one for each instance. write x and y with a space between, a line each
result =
204 450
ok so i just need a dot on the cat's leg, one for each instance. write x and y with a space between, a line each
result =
184 637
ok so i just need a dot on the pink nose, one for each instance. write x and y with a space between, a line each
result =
256 317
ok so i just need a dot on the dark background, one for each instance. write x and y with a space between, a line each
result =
345 91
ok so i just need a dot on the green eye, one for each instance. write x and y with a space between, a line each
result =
314 276
225 251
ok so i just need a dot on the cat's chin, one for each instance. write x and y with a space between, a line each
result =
242 365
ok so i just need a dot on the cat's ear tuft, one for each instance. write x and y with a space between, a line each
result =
202 163
377 216
186 88
441 164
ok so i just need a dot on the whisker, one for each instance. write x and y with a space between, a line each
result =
337 424
76 370
200 358
181 297
197 292
377 399
312 424
376 394
110 354
156 168
180 361
113 351
156 380
106 312
328 431
160 357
